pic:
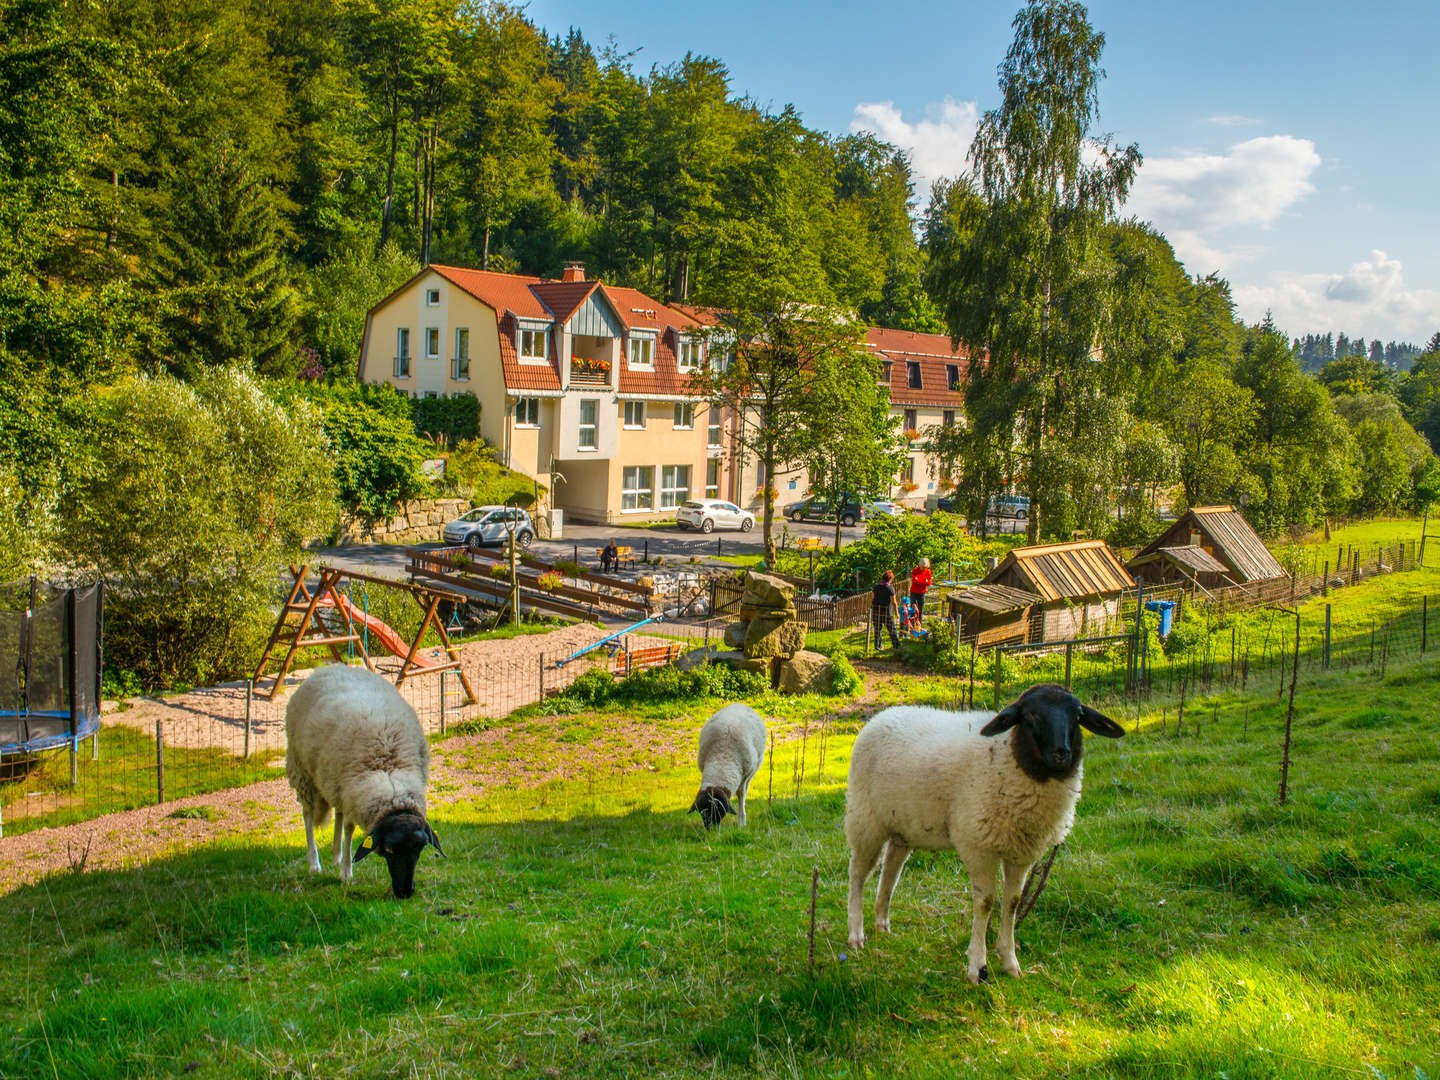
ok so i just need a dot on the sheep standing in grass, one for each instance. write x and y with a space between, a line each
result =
354 745
732 745
998 788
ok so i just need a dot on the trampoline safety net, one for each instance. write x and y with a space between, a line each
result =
50 668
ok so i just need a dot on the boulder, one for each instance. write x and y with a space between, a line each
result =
774 637
807 673
766 591
735 634
738 661
698 658
752 611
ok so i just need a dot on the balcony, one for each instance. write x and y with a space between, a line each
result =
584 379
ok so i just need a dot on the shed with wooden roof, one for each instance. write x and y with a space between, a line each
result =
1050 592
1208 546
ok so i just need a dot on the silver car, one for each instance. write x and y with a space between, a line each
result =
490 525
707 515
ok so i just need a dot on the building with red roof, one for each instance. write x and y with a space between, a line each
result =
584 386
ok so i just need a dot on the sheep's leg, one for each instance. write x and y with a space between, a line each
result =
862 861
345 860
895 855
312 853
1005 940
335 845
982 891
740 798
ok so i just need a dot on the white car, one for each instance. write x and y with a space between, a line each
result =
707 515
885 508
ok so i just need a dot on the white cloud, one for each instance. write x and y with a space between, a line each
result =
1370 299
1209 205
937 143
1231 120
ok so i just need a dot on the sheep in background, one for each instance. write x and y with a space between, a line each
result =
732 745
998 788
354 745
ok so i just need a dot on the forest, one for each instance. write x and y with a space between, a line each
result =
200 194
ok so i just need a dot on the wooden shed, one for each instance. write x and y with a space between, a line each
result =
1075 588
993 614
1209 546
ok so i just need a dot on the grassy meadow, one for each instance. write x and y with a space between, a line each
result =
1192 926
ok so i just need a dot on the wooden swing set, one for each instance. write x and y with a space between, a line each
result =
300 625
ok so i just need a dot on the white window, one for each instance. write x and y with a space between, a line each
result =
589 424
462 353
634 414
712 478
912 421
432 297
684 415
535 346
402 353
688 357
432 393
642 351
432 342
720 360
527 412
712 435
907 474
947 418
637 487
674 485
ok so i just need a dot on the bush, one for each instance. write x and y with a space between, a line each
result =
452 419
847 679
598 687
198 496
1186 634
898 543
472 468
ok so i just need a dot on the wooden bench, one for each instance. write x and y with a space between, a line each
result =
625 663
623 554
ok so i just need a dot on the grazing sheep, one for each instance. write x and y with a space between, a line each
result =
354 745
732 745
1001 793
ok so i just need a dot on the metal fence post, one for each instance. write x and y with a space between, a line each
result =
159 762
1069 654
998 654
542 677
1327 637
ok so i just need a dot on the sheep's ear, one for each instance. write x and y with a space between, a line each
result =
725 803
434 840
1004 720
695 807
1099 723
367 845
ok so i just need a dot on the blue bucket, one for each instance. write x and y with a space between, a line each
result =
1166 611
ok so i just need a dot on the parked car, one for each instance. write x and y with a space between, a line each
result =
851 511
885 508
1016 506
707 515
490 525
950 504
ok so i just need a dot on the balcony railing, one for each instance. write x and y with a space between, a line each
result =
589 378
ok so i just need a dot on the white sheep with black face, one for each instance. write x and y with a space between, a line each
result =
355 746
999 788
732 746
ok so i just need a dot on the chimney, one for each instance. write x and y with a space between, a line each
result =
574 271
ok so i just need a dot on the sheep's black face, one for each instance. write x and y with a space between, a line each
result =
399 838
712 804
1048 743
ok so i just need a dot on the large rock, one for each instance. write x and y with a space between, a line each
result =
774 637
807 673
765 591
698 658
751 611
735 634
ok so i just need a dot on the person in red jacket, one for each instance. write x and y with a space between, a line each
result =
920 580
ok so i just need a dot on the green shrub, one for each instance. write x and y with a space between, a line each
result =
1186 634
847 679
595 687
452 419
598 687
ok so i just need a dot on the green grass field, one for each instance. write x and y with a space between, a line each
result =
1192 927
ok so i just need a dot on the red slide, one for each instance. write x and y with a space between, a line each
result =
393 642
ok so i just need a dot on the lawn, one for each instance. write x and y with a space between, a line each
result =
1192 927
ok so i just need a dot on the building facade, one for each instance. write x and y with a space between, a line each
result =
583 386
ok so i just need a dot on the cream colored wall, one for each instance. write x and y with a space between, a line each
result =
585 493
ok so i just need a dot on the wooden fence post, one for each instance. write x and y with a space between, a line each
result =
159 762
249 697
1325 582
1327 637
998 654
1069 653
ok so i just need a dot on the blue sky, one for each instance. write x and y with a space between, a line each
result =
1293 147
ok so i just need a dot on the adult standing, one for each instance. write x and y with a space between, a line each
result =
882 608
920 579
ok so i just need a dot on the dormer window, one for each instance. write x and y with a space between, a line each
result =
912 374
887 367
534 345
952 376
687 355
642 351
432 297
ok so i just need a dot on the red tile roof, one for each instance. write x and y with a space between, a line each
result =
520 376
503 292
934 354
563 297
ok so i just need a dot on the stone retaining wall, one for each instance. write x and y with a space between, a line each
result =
419 521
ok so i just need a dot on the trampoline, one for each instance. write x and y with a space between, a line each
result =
50 653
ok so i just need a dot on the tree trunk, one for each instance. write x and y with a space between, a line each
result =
389 206
485 251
